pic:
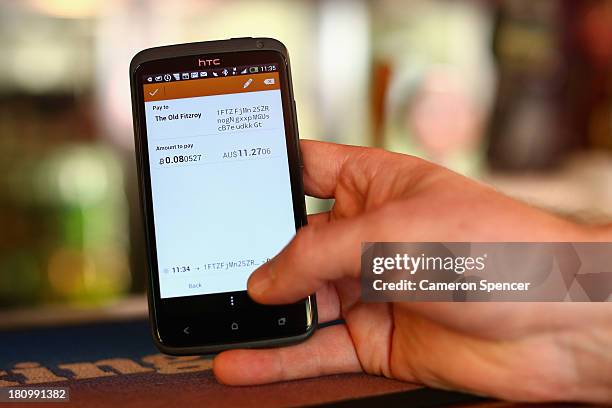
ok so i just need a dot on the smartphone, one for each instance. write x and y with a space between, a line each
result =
221 191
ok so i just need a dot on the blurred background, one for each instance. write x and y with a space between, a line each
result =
516 93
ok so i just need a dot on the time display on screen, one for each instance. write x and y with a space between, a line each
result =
267 68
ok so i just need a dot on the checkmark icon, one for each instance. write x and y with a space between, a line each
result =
154 92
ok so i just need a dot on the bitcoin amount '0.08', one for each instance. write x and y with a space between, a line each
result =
180 158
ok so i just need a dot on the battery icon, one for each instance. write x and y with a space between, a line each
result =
252 70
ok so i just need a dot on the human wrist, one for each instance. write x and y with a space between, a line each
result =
591 355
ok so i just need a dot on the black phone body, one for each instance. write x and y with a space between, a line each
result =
221 190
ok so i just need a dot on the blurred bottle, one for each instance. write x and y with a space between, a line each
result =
529 128
588 46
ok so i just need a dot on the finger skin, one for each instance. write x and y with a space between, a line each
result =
319 218
328 351
328 304
318 254
322 165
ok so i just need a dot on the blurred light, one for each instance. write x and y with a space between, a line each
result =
82 179
41 68
67 268
344 49
69 8
86 275
112 275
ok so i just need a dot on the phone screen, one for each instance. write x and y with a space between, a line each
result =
219 170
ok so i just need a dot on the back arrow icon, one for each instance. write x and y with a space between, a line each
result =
186 330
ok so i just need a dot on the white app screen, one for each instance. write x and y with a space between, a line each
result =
221 192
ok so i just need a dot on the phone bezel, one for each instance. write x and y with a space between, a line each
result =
244 51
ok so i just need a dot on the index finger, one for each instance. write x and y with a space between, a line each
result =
322 165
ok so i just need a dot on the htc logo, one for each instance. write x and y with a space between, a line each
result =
208 62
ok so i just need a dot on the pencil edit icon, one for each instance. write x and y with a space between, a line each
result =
247 83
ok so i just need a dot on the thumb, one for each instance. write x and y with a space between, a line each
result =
317 254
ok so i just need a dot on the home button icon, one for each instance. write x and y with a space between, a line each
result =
234 326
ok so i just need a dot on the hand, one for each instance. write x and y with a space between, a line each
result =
519 351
